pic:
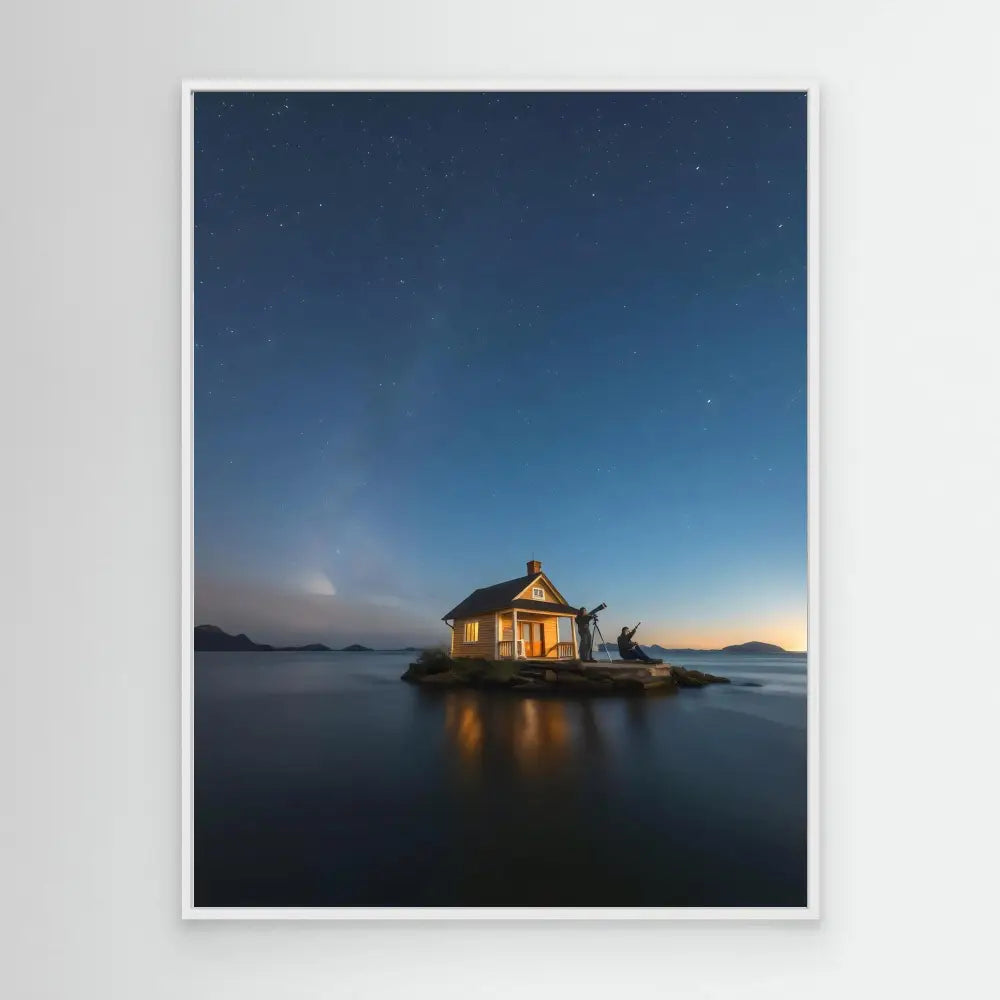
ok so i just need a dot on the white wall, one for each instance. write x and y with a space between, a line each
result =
90 444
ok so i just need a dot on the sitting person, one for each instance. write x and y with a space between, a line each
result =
629 649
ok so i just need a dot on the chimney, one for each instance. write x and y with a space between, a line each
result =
534 567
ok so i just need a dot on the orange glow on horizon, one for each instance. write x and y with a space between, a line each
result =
788 635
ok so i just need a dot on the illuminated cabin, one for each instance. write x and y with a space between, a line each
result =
525 618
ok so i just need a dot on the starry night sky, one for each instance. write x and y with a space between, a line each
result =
439 334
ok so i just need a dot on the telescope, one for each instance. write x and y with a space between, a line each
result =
595 629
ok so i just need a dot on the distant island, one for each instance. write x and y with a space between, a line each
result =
212 639
754 647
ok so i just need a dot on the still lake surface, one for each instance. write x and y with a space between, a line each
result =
321 779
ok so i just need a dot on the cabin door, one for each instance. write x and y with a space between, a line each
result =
532 638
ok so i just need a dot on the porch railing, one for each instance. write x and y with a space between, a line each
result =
564 650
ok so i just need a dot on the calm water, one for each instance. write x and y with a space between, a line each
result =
322 780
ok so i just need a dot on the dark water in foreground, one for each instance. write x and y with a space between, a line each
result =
323 780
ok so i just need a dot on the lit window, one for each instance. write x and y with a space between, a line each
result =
472 631
537 593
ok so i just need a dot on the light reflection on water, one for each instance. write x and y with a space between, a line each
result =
534 732
321 779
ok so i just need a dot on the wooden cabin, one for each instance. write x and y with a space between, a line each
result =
523 618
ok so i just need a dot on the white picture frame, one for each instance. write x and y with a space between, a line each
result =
188 910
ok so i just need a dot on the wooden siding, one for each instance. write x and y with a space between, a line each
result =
487 634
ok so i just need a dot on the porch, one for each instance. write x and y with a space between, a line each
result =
535 635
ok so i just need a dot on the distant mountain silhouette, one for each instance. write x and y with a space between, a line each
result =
753 647
356 648
211 638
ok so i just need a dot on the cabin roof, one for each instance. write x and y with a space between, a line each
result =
528 605
503 596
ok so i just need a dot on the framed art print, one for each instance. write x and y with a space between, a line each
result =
499 500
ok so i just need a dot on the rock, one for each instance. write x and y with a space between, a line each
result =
695 678
447 678
497 673
578 682
472 670
629 684
530 684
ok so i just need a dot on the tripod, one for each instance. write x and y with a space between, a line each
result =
595 630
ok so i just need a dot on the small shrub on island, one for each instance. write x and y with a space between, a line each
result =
434 655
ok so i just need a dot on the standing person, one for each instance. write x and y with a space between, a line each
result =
628 649
583 620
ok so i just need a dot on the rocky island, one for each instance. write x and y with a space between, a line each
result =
435 669
754 647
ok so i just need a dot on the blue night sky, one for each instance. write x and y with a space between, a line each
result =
439 334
